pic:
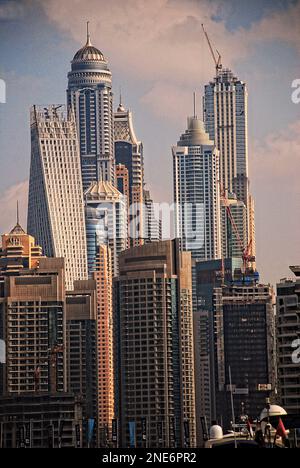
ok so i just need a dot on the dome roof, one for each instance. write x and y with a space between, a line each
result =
89 53
102 190
195 134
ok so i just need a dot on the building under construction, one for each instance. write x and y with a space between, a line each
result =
234 328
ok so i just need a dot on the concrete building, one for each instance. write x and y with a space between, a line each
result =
32 316
209 275
225 106
103 277
55 206
90 96
197 193
152 221
82 354
129 153
233 227
245 343
155 355
288 342
106 222
41 421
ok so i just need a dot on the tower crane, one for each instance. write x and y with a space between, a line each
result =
217 59
247 256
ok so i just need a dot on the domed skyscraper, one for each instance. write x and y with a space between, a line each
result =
90 96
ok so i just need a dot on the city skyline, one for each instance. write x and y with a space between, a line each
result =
156 98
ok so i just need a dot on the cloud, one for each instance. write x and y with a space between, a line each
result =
169 102
278 157
275 179
8 206
11 10
161 41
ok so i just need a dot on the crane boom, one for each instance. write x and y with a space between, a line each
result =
217 61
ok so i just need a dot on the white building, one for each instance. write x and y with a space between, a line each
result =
106 222
226 120
90 96
197 193
56 206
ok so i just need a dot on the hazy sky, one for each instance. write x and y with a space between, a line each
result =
157 54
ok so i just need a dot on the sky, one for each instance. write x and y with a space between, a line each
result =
159 57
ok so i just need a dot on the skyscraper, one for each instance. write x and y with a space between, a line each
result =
288 343
55 206
105 347
226 121
153 315
245 343
90 96
196 193
106 222
32 317
81 351
129 155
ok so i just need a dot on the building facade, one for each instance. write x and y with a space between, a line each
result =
82 356
196 193
106 222
32 316
103 277
41 421
129 154
225 106
155 381
90 97
55 206
288 342
245 346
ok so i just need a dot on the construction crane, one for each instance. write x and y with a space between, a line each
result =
52 366
53 352
247 256
218 59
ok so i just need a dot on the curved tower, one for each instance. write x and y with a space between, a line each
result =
90 96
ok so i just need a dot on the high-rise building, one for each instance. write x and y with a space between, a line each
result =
288 342
129 154
32 317
245 345
226 121
233 227
56 207
105 347
90 96
155 355
209 275
234 327
82 356
197 193
106 222
152 222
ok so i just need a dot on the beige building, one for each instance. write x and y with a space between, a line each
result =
105 356
154 338
32 311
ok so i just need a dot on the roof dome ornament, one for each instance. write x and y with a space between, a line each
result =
88 53
88 36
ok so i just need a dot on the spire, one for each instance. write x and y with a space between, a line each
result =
121 108
121 104
195 115
88 37
18 223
